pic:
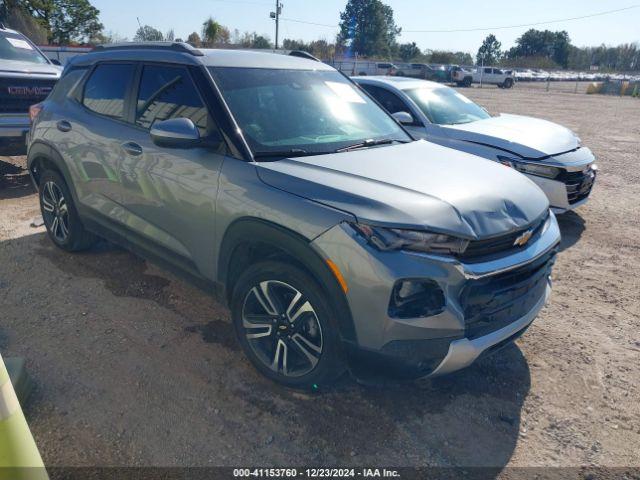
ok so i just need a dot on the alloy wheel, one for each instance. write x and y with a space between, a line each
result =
55 211
282 328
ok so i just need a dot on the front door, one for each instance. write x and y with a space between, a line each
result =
169 193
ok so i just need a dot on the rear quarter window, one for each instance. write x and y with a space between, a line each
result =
66 86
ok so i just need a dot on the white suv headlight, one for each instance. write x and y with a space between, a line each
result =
539 170
387 239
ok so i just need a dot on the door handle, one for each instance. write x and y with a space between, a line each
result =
64 126
132 148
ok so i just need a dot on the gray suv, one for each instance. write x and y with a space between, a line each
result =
274 179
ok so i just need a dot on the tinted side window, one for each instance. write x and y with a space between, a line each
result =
390 101
66 84
168 92
106 89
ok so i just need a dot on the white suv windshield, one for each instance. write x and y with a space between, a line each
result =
17 47
445 106
311 111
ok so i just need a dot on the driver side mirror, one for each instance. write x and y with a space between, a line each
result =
175 133
403 118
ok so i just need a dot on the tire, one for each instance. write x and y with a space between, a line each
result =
467 82
285 325
363 74
508 83
60 215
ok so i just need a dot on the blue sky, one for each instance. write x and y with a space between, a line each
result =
185 16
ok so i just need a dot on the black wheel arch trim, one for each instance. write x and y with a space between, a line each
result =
41 150
295 245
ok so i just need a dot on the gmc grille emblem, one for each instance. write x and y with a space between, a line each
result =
29 91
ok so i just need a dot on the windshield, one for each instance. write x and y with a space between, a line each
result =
17 47
302 110
445 106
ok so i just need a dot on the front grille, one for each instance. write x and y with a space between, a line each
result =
479 249
579 184
26 92
494 302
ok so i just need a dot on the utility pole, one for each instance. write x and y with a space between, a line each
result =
141 30
276 16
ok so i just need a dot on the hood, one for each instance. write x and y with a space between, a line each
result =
416 185
526 137
16 69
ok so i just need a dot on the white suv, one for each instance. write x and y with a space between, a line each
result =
26 78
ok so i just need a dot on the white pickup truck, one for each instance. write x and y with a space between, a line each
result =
487 75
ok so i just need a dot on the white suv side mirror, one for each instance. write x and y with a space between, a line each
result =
405 118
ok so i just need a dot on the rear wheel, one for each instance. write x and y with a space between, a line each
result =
60 215
284 323
467 82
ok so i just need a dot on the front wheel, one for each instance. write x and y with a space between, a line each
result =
284 323
467 82
508 83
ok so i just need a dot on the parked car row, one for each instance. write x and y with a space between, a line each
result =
538 75
334 228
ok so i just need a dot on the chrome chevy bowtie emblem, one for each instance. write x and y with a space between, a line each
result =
522 240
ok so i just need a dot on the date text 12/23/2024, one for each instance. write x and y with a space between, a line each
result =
315 473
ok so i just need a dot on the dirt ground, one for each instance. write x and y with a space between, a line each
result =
136 367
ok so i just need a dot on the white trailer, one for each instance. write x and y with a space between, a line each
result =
354 67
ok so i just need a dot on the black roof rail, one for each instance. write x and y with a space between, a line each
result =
303 54
175 46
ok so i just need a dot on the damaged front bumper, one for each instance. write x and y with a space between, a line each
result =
487 303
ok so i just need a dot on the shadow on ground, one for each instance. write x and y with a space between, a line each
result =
14 181
471 418
572 226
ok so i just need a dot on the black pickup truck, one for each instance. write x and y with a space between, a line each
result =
26 78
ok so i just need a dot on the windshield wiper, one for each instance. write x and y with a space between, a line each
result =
369 143
294 152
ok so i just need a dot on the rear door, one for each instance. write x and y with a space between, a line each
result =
87 134
169 193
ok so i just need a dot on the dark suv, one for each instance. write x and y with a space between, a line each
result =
326 226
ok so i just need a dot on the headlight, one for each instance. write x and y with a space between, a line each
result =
387 239
530 168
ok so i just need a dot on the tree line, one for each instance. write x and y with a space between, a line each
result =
367 29
553 50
